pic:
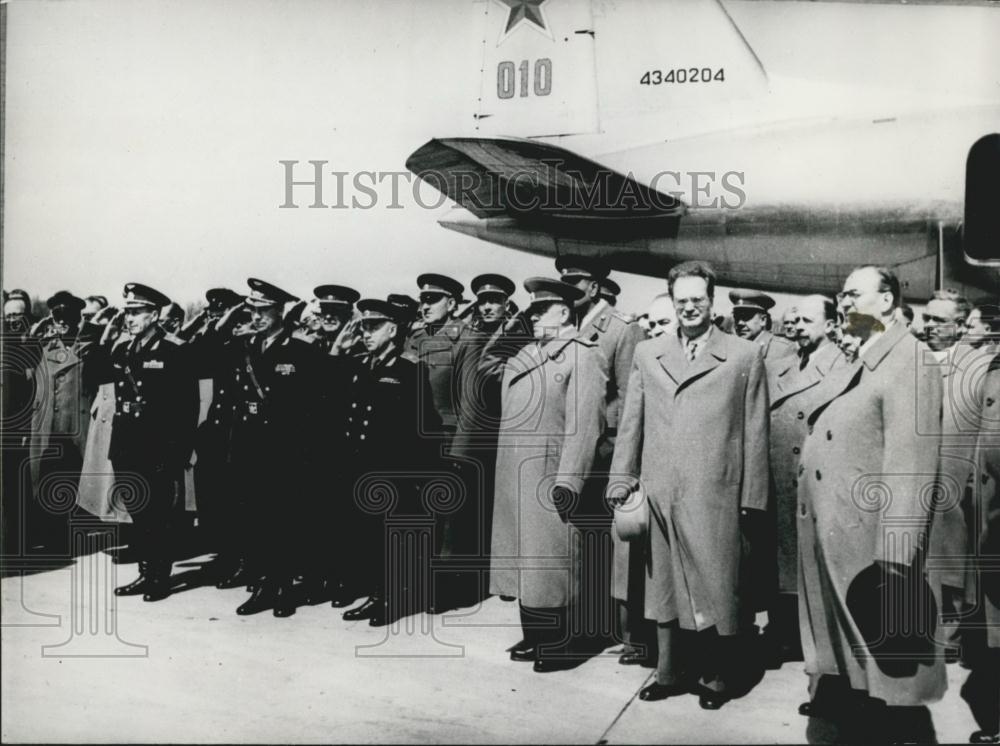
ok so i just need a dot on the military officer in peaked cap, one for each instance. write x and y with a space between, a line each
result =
543 462
610 290
328 516
156 410
435 344
751 321
390 406
410 310
465 533
616 335
336 307
60 416
268 390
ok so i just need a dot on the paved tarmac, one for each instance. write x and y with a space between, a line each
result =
80 665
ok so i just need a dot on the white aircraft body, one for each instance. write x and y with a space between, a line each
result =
785 142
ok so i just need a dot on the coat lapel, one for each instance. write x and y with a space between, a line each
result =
676 364
792 381
672 358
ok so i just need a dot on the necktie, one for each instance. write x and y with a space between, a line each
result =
692 349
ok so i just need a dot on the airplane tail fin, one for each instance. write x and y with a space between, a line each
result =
568 67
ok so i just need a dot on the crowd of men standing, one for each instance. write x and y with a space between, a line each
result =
658 480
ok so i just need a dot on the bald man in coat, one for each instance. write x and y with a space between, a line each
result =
869 462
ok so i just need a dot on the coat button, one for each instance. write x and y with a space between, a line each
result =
801 415
121 383
829 435
365 422
362 436
818 475
139 383
354 405
216 422
795 450
802 510
801 469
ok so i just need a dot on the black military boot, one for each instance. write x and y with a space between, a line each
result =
284 603
263 598
374 605
341 595
158 587
138 585
317 590
236 578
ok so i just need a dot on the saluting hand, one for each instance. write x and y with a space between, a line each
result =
104 315
348 337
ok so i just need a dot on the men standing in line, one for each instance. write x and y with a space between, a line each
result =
868 464
336 306
962 368
694 433
982 327
435 344
981 641
210 477
465 533
18 393
553 405
268 389
752 322
662 316
152 437
793 389
61 416
788 323
390 410
327 515
610 290
617 576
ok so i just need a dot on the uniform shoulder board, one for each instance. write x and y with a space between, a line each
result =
626 317
454 328
173 339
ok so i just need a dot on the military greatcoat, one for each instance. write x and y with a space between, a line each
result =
552 418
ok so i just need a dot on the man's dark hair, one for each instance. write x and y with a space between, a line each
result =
907 311
694 268
962 306
887 282
829 309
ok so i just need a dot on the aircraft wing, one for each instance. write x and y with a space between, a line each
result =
538 182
